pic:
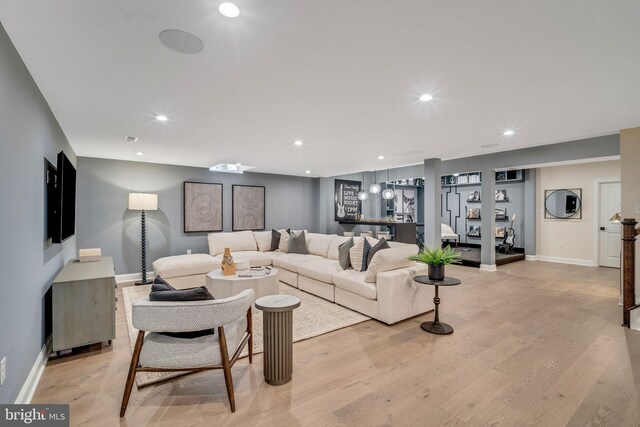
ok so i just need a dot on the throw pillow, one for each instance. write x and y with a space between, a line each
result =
283 246
275 239
355 253
343 254
382 244
366 248
163 291
297 243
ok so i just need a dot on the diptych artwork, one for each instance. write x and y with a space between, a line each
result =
248 207
202 207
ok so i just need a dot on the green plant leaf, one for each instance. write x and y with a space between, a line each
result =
437 256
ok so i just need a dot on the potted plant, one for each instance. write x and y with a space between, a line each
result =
436 259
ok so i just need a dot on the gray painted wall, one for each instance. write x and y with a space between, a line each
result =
28 133
105 222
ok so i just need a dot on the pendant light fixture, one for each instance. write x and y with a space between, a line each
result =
363 195
375 187
388 193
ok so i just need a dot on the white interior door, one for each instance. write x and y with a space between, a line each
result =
609 248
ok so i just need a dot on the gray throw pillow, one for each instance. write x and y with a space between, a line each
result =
343 254
365 254
297 243
382 244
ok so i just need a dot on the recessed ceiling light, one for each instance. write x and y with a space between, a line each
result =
229 10
161 118
307 172
297 143
508 132
128 138
139 153
380 157
426 97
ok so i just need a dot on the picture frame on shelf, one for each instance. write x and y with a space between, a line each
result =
473 231
501 196
473 213
501 213
474 196
500 232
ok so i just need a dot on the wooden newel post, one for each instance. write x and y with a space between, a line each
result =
629 234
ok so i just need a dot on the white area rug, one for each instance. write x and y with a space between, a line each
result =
314 317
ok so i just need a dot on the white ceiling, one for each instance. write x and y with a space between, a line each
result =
342 76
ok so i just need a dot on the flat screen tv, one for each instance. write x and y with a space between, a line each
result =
62 201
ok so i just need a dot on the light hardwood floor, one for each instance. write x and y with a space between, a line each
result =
534 344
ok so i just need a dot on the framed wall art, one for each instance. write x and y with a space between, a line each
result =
202 207
347 206
248 207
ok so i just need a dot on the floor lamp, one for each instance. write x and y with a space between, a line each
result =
143 202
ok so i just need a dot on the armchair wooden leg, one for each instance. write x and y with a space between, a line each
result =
250 331
226 367
135 357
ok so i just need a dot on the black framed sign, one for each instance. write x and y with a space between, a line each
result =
347 206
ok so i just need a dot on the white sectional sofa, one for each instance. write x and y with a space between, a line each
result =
386 291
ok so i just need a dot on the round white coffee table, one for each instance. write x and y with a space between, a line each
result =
277 333
222 286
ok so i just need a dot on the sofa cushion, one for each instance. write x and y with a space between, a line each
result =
236 241
283 246
382 244
356 252
263 240
297 243
353 281
291 262
390 259
366 248
275 238
254 258
320 269
318 244
343 254
184 265
336 241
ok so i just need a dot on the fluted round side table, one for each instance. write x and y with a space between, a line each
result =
277 335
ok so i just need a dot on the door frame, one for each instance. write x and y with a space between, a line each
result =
596 216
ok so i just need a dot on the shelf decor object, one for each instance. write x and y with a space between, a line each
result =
202 207
143 202
248 207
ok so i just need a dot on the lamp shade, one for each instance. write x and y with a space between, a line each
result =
616 217
143 202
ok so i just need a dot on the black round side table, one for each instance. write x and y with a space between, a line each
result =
435 326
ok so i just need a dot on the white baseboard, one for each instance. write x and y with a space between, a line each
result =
488 267
31 383
561 260
132 277
531 257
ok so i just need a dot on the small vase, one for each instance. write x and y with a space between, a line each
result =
436 272
227 265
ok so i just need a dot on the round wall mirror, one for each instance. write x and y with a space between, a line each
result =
563 204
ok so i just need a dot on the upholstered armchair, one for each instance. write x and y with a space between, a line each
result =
162 344
447 233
